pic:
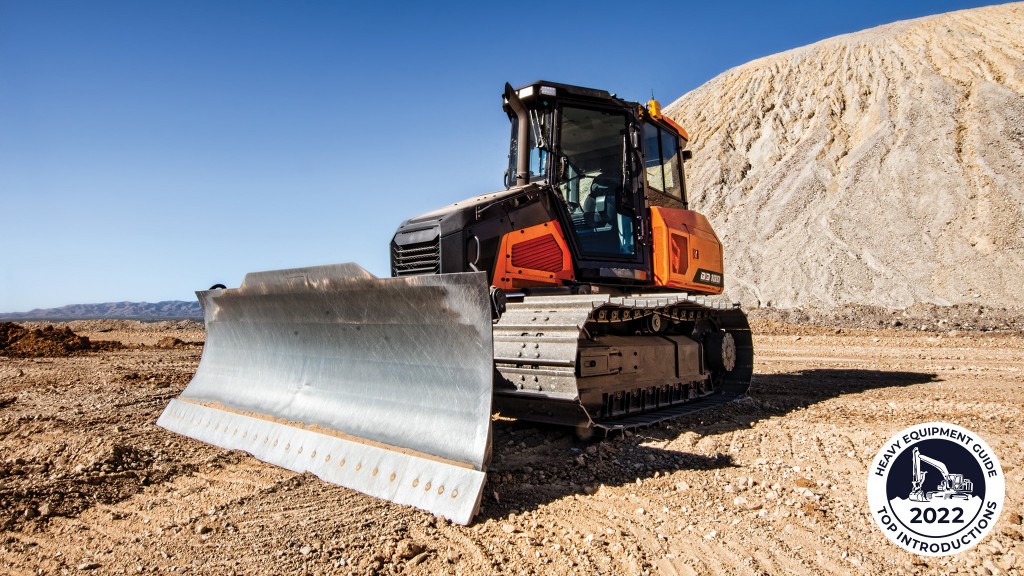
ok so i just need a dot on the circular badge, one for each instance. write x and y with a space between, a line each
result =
936 489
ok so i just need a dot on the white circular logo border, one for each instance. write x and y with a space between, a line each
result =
893 526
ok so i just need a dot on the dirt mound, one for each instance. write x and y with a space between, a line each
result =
884 167
116 458
170 342
18 341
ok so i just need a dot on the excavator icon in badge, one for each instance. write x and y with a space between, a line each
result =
952 485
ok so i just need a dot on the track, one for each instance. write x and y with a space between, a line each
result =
539 342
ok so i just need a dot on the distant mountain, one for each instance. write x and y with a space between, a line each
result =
168 310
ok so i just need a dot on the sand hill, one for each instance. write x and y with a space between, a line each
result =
884 167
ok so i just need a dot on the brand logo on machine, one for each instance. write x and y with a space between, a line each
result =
936 489
706 277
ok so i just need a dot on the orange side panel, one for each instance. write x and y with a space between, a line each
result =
532 257
687 253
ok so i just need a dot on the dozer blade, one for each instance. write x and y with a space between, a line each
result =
380 385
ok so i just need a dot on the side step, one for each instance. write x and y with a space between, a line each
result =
380 385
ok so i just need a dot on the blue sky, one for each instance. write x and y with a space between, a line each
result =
149 149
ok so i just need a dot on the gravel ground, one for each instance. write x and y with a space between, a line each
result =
772 484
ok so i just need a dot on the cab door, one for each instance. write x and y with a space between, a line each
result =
594 178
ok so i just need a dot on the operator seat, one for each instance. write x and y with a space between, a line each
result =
599 207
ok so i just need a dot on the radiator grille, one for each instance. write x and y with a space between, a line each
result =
417 258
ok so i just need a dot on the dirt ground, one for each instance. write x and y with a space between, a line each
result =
770 485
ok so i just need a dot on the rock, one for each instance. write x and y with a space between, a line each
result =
88 566
508 528
203 529
408 549
418 558
305 550
45 510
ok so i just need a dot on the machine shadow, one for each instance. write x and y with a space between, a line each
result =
537 464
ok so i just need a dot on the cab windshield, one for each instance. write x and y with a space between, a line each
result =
592 147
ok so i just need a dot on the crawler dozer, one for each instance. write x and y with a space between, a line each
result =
575 296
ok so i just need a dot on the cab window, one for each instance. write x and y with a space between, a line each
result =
664 175
538 154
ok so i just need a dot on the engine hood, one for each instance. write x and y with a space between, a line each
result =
456 217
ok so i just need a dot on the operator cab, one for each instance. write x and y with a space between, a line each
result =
607 159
